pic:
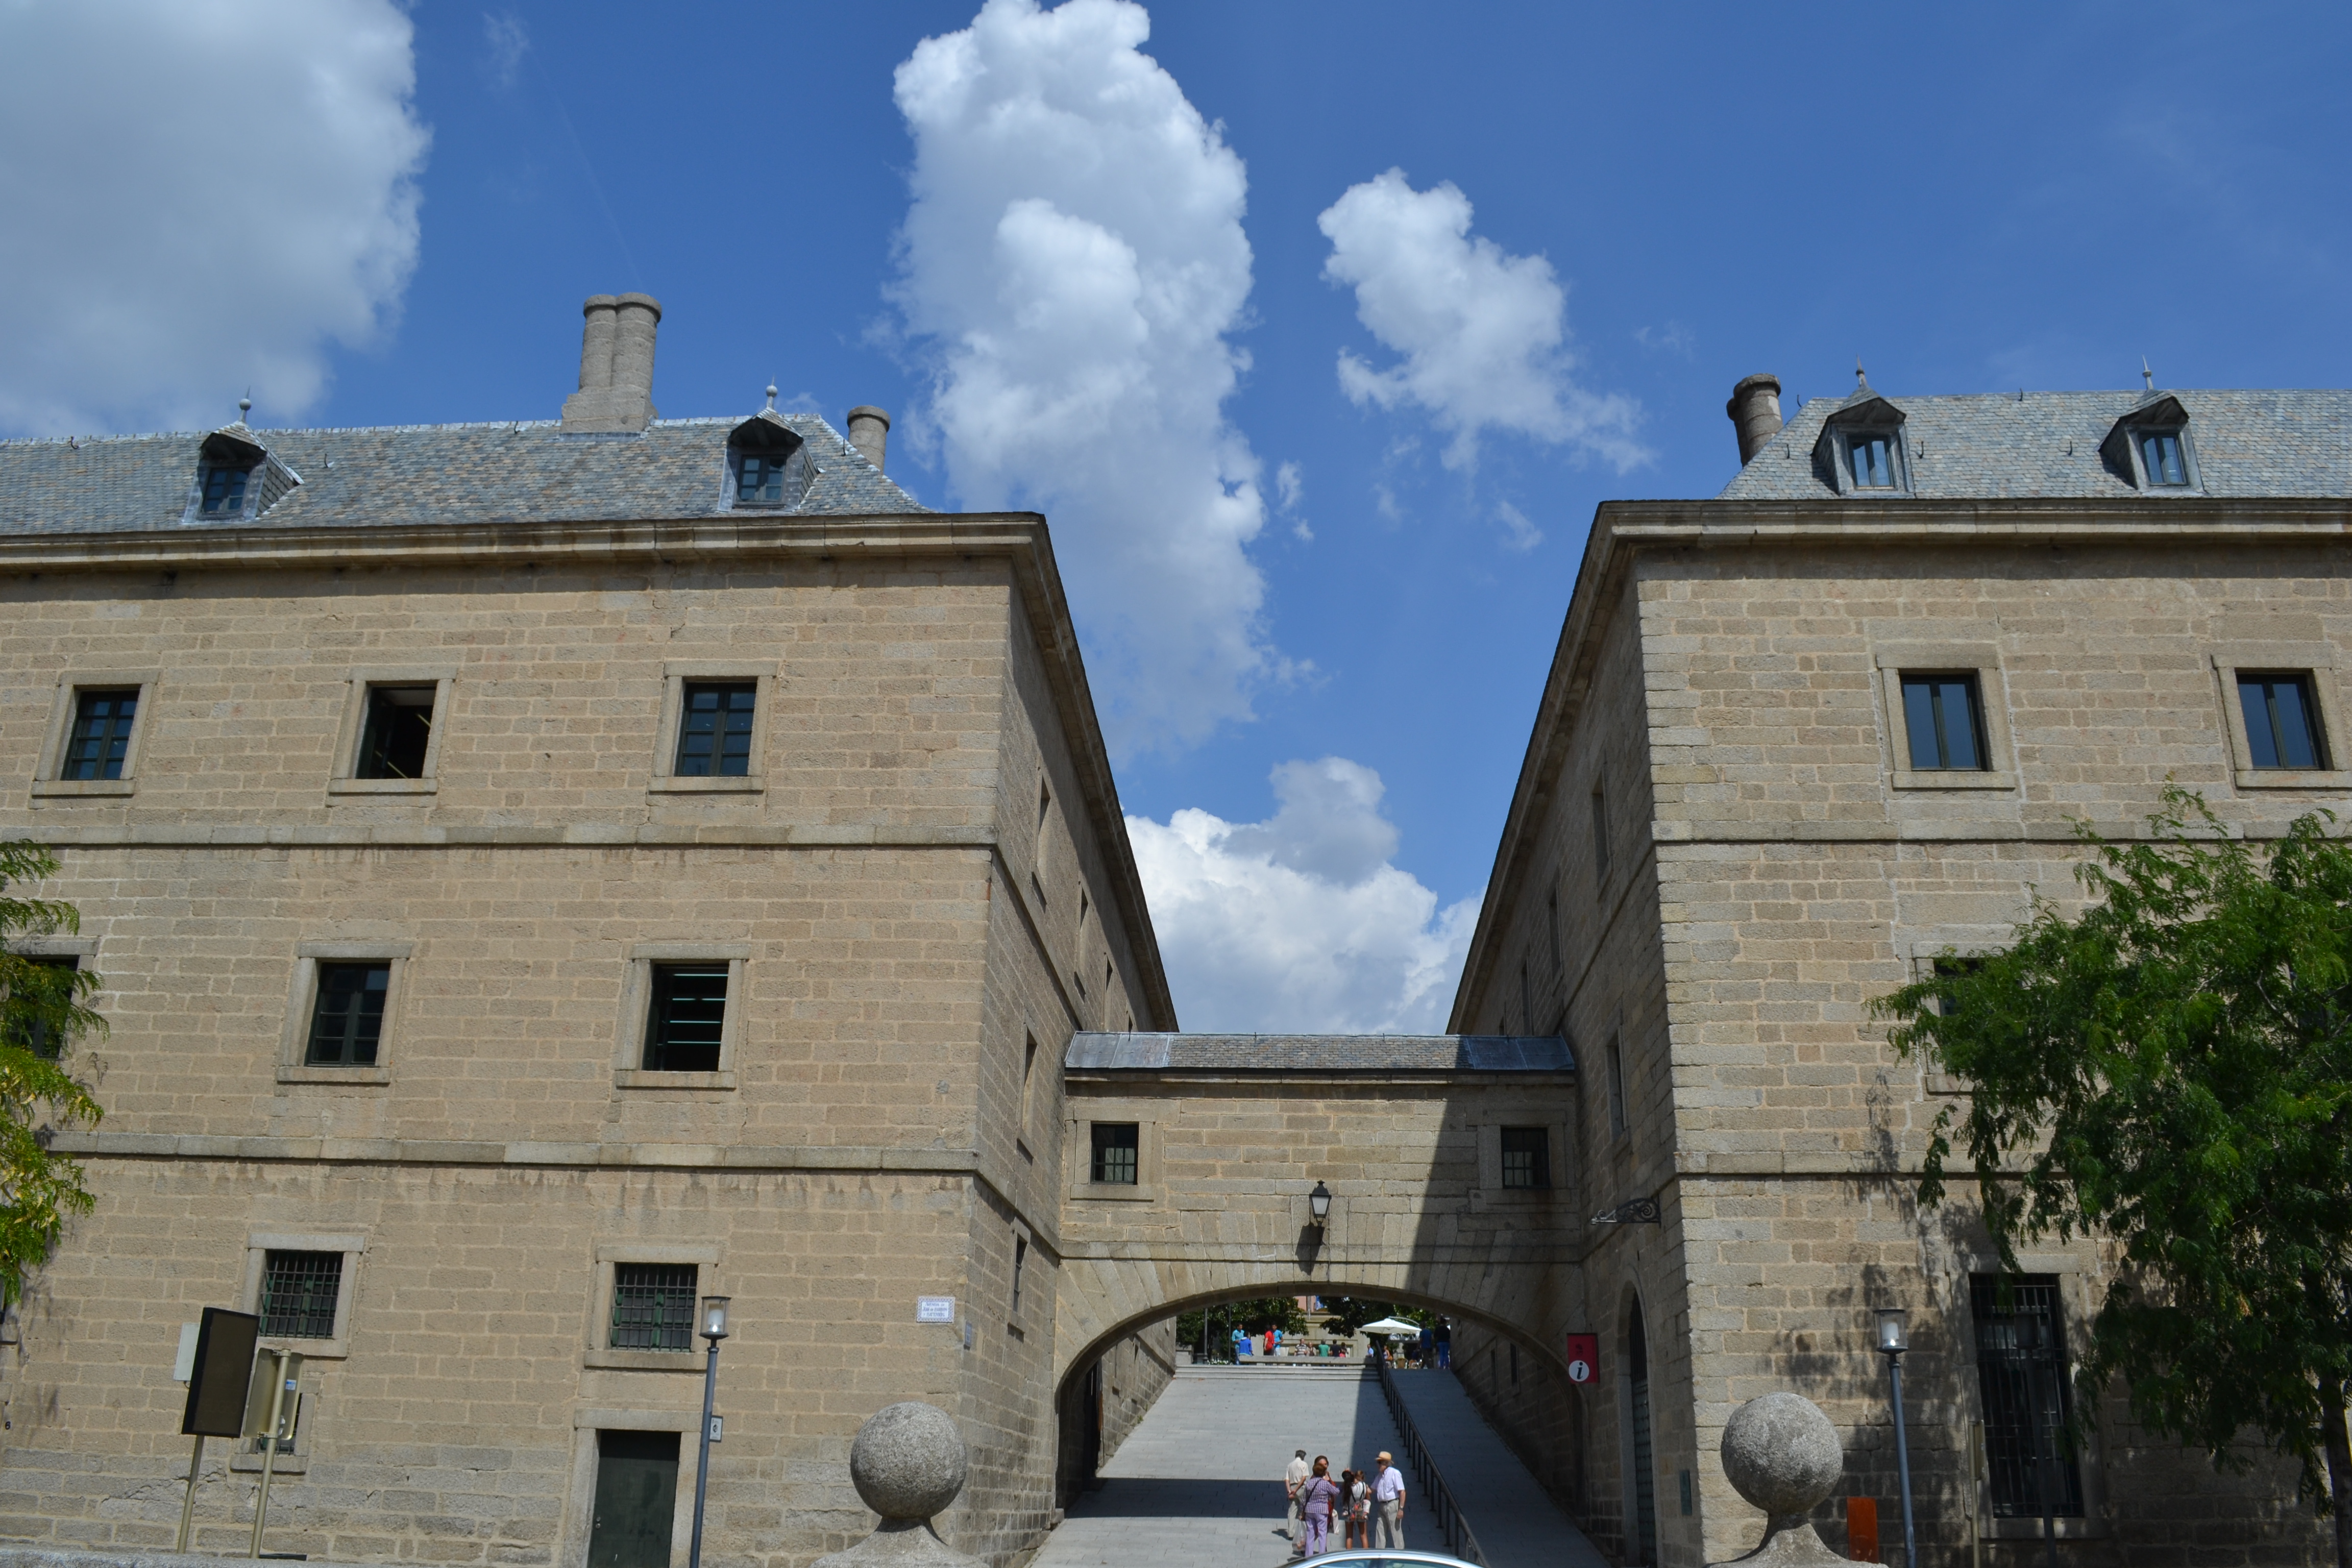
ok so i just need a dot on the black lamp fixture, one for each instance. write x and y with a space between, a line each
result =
1894 1338
1318 1205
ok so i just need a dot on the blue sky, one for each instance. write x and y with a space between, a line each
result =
1320 694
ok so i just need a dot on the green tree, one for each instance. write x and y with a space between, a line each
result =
43 1012
1350 1314
1253 1316
2171 1070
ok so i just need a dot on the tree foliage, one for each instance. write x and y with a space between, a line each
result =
2170 1071
1254 1316
44 1010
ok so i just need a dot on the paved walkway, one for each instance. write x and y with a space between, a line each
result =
1198 1484
1516 1522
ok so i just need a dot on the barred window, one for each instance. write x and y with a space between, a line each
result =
2021 1375
653 1306
688 1018
101 739
347 1020
299 1291
1117 1146
1526 1157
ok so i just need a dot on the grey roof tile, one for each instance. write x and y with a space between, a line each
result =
412 474
2248 445
1319 1053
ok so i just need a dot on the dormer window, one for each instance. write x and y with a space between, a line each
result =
236 479
2160 455
1871 468
1860 451
768 464
2150 448
222 492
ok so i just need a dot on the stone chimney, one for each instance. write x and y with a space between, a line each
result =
869 432
1755 410
617 365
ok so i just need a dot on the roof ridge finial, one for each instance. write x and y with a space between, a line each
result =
1860 378
2146 376
771 395
245 405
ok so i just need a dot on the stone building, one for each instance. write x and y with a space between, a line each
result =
1798 742
544 872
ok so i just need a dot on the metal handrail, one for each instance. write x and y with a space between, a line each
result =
1451 1525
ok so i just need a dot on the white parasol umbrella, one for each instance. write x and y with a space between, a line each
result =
1390 1326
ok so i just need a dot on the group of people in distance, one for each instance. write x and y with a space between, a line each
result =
1368 1509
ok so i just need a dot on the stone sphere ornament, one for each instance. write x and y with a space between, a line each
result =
909 1460
1782 1455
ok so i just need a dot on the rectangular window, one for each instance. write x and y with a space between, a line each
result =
2160 450
714 729
298 1294
1948 968
653 1306
1617 1121
687 1017
1117 1146
1873 466
100 738
56 976
2283 728
1526 1157
224 491
396 733
1600 832
2022 1375
347 1019
1020 1260
760 477
1943 718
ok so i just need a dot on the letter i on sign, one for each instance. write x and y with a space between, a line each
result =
1583 1357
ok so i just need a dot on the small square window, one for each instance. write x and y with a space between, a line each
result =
2159 454
1526 1157
714 729
299 1291
653 1306
687 1018
758 478
347 1019
1871 457
54 976
1943 718
100 738
1117 1148
222 489
2283 728
397 733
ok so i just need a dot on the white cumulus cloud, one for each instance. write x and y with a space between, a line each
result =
1301 922
201 195
1072 262
1481 335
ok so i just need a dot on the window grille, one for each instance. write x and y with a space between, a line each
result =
686 1021
399 728
1526 1157
102 734
299 1291
1117 1146
653 1306
2021 1374
2282 728
714 729
347 1020
1943 718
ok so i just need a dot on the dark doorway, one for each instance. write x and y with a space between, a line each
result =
1646 1484
1090 1454
636 1493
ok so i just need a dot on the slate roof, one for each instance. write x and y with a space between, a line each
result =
1319 1053
2248 444
411 475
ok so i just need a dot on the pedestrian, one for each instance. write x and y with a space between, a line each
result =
1389 1498
1427 1345
1446 1341
1240 1345
1294 1475
1357 1531
1316 1499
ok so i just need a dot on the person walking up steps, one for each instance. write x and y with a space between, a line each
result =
1314 1501
1294 1475
1388 1501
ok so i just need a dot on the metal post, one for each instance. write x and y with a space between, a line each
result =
188 1505
269 1448
1903 1463
702 1467
2043 1466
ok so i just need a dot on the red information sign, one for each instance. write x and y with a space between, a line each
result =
1583 1357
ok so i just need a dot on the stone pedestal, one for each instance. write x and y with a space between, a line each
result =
1782 1455
907 1463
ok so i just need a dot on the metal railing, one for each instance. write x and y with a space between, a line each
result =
1451 1525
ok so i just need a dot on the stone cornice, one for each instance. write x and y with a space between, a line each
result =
1019 538
1624 530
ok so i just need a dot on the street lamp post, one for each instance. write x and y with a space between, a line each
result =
714 1329
1894 1338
